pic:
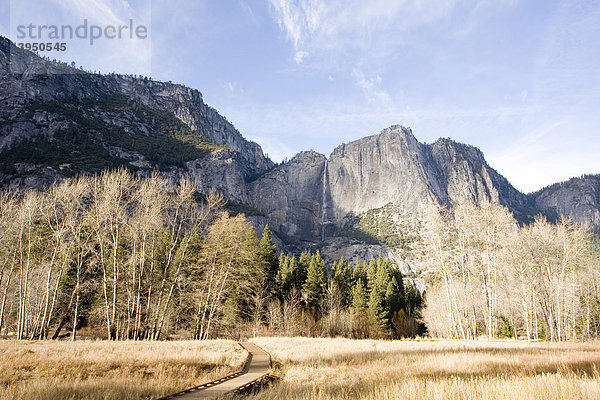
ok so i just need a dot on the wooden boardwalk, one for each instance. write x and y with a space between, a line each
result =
256 369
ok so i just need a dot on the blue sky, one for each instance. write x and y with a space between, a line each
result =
518 79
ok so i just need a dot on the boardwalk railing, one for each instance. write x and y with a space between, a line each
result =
256 371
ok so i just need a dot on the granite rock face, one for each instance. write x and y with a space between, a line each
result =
371 172
578 198
188 106
313 200
39 98
464 175
290 196
394 167
310 201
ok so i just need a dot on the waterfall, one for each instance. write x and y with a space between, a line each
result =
324 203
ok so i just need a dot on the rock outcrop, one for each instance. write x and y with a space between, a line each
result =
312 199
290 196
373 171
394 167
365 198
578 198
41 100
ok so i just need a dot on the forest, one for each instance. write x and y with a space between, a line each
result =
121 257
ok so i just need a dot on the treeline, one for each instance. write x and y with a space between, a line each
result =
112 250
493 277
368 299
123 257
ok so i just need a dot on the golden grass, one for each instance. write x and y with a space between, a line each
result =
111 370
367 369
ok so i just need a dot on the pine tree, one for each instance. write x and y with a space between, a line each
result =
360 297
289 276
341 275
284 276
394 297
413 301
398 299
316 283
303 262
268 254
371 273
377 298
360 273
298 275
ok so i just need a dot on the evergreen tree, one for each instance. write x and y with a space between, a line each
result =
394 296
268 254
289 276
360 297
316 283
413 301
341 275
298 275
360 272
284 276
377 298
371 273
303 262
398 295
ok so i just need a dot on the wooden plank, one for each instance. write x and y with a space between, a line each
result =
256 369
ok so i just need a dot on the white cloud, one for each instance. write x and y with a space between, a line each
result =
229 87
125 54
336 25
299 56
371 88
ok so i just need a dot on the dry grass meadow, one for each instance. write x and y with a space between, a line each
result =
367 369
309 369
111 370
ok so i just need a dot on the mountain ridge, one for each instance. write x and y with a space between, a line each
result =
56 121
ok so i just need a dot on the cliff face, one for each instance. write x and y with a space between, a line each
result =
464 175
578 198
46 107
385 179
393 167
188 106
56 121
371 172
290 196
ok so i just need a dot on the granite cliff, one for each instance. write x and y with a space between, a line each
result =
577 197
362 200
56 120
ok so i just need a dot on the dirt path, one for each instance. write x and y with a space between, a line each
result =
256 368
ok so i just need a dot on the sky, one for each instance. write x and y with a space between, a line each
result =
519 79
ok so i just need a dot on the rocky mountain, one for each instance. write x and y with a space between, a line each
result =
362 200
577 197
56 120
313 196
394 167
372 190
290 195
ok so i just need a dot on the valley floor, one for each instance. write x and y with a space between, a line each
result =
94 370
367 369
309 369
